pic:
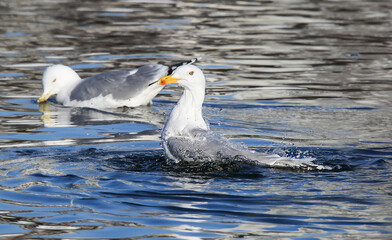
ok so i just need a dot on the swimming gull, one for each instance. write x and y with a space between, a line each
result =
129 88
187 137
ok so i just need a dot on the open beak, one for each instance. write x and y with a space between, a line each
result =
167 80
43 97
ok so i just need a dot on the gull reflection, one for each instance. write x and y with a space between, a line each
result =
80 126
54 115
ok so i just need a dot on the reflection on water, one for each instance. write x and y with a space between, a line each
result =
310 78
54 115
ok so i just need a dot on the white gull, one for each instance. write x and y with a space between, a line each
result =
187 137
131 88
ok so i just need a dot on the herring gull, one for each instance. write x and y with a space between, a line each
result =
131 88
187 137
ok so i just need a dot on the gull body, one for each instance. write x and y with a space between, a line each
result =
187 137
131 88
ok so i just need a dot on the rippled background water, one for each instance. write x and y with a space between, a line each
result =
300 78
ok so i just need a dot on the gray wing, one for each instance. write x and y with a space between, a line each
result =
121 84
204 145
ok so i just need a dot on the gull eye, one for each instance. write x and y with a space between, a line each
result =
54 80
191 73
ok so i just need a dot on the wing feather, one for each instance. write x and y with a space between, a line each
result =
121 84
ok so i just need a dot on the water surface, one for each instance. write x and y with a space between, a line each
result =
301 79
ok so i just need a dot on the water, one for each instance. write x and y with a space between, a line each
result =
302 79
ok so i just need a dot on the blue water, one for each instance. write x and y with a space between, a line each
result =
311 79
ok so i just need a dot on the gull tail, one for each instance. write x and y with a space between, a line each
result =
173 67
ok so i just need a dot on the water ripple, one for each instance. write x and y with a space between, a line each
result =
310 79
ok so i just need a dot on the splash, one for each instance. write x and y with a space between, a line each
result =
207 146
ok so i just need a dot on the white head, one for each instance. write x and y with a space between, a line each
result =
187 114
189 77
57 78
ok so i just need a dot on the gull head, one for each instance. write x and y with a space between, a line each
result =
187 76
55 79
186 115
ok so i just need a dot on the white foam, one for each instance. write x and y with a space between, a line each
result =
203 145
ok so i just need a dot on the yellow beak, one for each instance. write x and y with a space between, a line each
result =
167 80
43 97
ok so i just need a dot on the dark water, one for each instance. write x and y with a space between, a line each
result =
299 78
